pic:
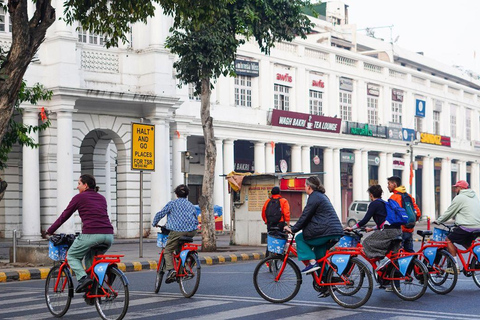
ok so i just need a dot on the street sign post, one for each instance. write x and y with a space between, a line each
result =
143 158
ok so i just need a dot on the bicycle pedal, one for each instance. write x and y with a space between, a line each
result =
324 294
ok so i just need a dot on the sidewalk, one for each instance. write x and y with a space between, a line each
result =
131 261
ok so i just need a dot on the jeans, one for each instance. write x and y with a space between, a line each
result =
407 241
81 248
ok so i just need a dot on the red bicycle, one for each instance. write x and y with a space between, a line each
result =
109 291
277 278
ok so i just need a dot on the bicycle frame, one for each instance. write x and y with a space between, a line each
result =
179 258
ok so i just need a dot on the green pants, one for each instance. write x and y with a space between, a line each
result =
172 244
313 248
81 249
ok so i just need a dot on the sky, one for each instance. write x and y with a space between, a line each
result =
447 31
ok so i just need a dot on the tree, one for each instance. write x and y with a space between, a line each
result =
207 50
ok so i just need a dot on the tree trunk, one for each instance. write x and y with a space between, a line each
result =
209 242
26 39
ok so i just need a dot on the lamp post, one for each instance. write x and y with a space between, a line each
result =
412 159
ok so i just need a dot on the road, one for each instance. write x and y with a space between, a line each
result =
227 292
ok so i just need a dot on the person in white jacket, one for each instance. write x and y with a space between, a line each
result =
465 210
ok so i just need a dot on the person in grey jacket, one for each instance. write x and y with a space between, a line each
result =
465 209
320 224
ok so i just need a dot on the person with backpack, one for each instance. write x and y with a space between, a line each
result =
407 202
276 211
378 243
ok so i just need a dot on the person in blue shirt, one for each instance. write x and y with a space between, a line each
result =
182 221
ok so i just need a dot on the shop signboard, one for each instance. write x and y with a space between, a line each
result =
365 129
436 139
373 90
243 165
397 95
395 131
347 157
373 160
317 82
284 76
346 84
476 145
398 164
247 68
408 134
420 108
305 121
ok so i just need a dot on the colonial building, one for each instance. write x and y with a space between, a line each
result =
357 108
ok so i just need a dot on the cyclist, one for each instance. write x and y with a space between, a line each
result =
320 224
395 186
465 209
280 217
182 221
96 227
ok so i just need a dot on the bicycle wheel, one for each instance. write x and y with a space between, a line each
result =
439 280
475 264
113 303
414 284
277 291
58 301
190 280
160 273
356 286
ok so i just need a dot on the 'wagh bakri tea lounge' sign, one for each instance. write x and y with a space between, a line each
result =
305 121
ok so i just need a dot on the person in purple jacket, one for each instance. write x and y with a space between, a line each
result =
96 227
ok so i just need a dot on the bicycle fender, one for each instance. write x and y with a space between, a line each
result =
341 261
430 253
183 256
100 270
476 250
404 263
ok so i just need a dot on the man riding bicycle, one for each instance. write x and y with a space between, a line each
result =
465 209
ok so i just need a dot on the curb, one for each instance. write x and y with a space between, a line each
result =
41 273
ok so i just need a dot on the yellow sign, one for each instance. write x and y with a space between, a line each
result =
143 147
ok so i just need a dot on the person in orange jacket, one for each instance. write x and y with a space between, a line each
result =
277 214
395 186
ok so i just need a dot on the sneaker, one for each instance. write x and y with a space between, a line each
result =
83 284
390 289
171 276
89 301
310 268
383 263
451 271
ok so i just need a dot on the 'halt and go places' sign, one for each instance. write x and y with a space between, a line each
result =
143 146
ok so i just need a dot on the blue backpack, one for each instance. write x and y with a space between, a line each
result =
396 215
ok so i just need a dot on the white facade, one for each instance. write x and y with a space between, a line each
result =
99 92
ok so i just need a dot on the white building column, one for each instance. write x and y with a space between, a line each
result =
218 188
31 182
337 186
406 175
357 176
475 178
445 185
306 167
259 157
296 157
462 170
270 157
159 26
228 166
365 181
328 177
382 173
179 144
428 188
160 190
60 26
389 165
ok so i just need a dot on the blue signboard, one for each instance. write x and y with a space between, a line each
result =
420 108
408 134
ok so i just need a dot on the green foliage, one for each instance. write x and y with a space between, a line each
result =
207 50
18 132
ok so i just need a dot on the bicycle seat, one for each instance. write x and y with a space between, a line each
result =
424 233
102 247
185 239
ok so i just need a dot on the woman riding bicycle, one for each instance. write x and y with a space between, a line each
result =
96 227
320 224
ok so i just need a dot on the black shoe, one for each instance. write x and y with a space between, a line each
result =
89 301
83 284
171 276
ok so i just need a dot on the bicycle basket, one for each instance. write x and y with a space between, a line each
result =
162 239
57 252
347 242
439 234
276 244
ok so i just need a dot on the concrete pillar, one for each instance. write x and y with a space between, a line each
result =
61 28
306 168
365 181
389 164
337 186
382 173
445 185
159 27
475 178
296 157
218 188
65 179
259 157
406 173
428 188
179 144
270 157
31 182
462 170
328 177
357 176
228 166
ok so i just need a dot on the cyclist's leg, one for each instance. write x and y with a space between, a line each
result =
321 245
407 241
80 247
304 250
171 245
99 239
